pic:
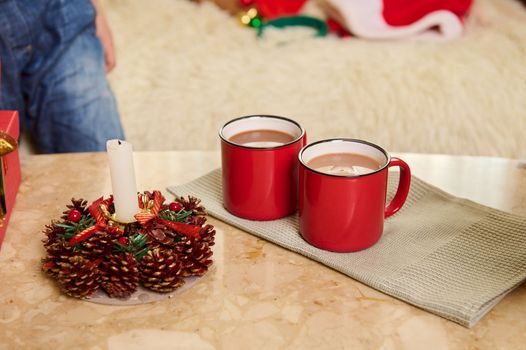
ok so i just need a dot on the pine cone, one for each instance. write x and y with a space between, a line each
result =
159 271
193 204
120 275
207 234
79 277
196 220
98 246
159 236
53 234
58 254
78 204
194 255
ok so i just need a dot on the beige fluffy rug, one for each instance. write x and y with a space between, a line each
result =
184 69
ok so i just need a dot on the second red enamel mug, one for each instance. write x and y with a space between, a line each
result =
342 209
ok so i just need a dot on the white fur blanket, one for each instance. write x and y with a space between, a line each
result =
184 69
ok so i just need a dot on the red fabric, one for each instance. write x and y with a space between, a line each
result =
336 28
270 9
406 12
10 166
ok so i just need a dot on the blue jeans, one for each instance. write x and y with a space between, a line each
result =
53 73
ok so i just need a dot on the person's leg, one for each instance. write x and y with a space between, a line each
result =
15 52
76 109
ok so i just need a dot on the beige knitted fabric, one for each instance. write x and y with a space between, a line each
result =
444 254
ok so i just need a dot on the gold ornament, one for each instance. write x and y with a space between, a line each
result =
252 13
245 18
7 143
147 203
112 218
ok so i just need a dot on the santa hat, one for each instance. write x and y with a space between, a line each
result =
433 20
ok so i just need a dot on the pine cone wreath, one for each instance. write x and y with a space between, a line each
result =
120 275
160 270
79 277
88 249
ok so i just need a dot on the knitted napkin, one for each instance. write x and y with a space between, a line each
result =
447 255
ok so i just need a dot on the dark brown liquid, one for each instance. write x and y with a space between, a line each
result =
344 164
262 138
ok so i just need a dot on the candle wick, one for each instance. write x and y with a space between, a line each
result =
119 141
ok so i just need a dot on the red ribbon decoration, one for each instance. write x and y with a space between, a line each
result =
179 227
82 236
101 224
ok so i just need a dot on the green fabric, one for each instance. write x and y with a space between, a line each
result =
296 21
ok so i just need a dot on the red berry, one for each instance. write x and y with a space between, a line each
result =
123 240
174 206
74 215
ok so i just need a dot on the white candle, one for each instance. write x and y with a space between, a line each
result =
122 172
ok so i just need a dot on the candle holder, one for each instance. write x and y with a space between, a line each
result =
89 249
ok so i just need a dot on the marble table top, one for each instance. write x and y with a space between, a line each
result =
258 295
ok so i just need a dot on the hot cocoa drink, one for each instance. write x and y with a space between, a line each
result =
262 138
344 164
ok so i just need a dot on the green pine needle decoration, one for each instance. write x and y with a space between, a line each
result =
172 216
72 228
136 245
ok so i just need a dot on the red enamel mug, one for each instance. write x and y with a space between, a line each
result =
260 180
344 211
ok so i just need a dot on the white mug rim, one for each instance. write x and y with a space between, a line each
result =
262 116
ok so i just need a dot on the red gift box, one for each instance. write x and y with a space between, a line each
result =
10 175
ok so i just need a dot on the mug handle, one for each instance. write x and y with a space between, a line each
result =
403 187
